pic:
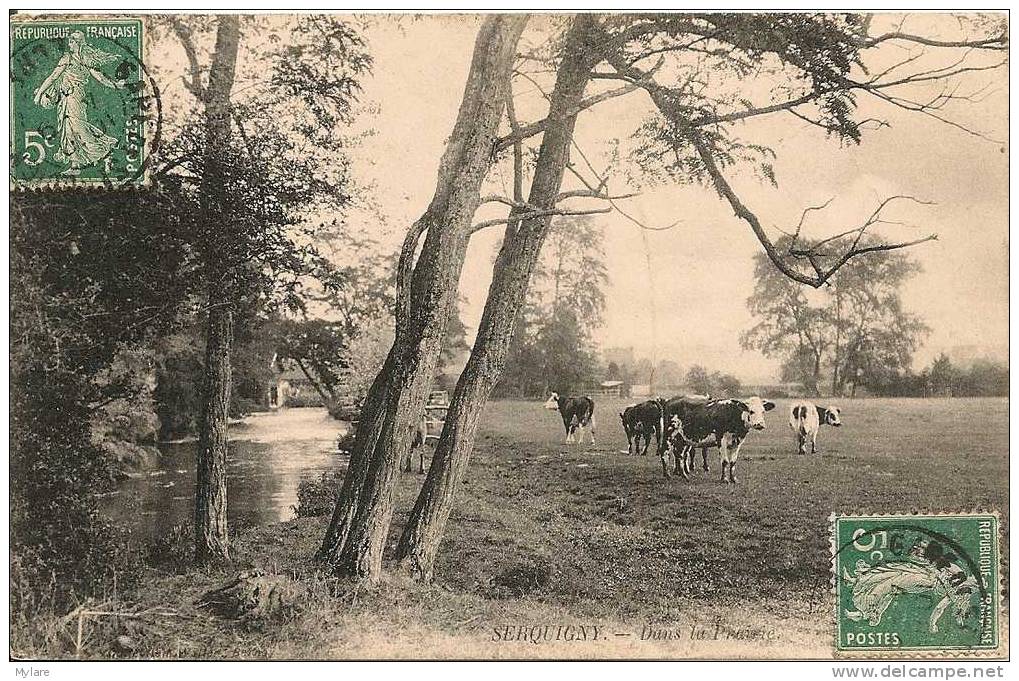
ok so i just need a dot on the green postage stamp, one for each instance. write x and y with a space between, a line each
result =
920 583
80 102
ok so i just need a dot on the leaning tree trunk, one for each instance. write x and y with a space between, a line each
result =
426 298
419 543
211 537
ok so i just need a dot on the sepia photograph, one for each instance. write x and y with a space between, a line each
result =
558 335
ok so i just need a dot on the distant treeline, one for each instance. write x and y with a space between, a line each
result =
981 378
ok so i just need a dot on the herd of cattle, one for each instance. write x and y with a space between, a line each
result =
683 424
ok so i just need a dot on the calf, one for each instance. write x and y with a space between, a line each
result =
577 412
642 421
721 423
805 419
689 452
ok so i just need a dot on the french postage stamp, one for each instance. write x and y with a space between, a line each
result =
79 102
916 584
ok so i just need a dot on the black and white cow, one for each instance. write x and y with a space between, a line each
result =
577 412
721 423
642 420
689 452
805 419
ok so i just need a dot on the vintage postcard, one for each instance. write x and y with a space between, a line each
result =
509 336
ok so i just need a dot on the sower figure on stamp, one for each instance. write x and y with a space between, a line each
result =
80 143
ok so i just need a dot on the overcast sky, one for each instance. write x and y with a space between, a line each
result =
703 268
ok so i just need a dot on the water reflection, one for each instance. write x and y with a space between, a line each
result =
269 454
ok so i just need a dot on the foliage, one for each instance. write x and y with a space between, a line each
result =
177 396
316 497
91 277
553 339
853 332
365 354
317 347
981 378
797 52
132 417
717 384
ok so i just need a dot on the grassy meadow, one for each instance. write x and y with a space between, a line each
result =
549 534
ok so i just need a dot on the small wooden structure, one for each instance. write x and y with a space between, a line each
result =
610 388
435 413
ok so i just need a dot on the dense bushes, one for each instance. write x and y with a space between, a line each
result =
981 378
62 548
317 496
87 286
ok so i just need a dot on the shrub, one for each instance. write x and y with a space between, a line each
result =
173 550
317 497
64 547
306 398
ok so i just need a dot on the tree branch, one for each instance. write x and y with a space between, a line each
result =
822 274
404 269
996 43
514 216
194 85
532 129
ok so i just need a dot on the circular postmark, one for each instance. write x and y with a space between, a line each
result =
85 110
916 584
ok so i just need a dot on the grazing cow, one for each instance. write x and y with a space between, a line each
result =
805 418
642 421
577 412
418 436
721 423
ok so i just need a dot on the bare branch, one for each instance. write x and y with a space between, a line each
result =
194 85
537 214
600 191
532 129
669 107
494 198
996 43
518 148
822 274
592 194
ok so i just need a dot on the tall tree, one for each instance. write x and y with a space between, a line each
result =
518 256
426 298
855 326
552 346
263 161
211 540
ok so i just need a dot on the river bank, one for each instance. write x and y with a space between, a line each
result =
270 454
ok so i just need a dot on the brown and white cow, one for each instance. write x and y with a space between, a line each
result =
722 423
577 413
805 419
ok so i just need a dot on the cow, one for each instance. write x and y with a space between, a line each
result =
577 412
721 423
642 421
805 418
